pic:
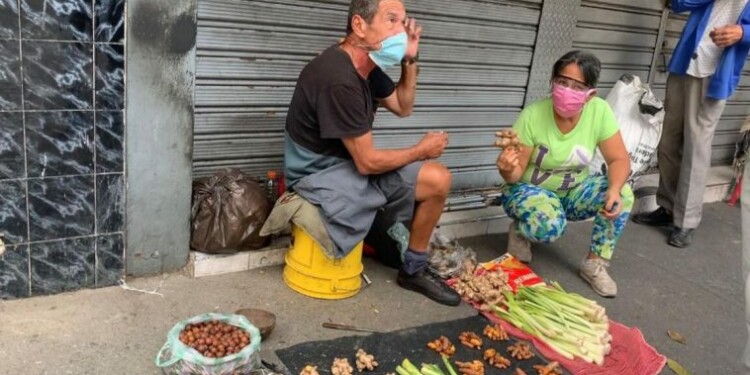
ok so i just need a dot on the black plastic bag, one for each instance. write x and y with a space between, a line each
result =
386 247
228 211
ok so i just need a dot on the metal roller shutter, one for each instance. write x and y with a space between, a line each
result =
623 37
736 110
475 58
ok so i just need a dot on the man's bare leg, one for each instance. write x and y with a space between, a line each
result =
433 185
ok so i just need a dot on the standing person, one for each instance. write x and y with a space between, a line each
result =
704 71
547 177
329 155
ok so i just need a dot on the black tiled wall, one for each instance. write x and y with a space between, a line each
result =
62 189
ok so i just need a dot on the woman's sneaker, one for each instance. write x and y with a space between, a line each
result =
518 245
595 272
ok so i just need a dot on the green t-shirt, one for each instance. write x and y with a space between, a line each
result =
560 161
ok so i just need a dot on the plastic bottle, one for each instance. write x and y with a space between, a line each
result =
272 186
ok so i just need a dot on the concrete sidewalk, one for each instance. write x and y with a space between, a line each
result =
696 291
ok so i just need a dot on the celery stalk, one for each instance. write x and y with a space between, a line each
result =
564 349
408 366
401 371
428 369
448 365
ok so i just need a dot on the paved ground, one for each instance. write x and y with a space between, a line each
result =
113 331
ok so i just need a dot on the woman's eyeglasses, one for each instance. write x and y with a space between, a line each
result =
570 83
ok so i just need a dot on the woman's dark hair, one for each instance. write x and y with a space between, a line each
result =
589 64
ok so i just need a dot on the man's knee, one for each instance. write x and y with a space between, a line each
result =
434 180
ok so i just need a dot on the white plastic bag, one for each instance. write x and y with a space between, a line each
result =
447 257
640 115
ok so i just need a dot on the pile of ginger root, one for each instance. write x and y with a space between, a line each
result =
484 288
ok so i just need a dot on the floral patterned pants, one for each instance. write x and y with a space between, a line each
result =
542 215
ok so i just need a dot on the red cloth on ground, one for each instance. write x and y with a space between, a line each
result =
630 355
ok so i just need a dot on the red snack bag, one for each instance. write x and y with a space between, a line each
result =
519 274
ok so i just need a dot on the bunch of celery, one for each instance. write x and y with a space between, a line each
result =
408 368
569 323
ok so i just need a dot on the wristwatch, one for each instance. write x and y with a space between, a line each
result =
410 60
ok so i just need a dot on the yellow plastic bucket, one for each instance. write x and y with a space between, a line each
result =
310 272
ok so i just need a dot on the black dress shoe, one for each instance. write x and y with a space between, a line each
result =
680 237
430 286
658 218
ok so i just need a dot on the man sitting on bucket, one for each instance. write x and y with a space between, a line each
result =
329 155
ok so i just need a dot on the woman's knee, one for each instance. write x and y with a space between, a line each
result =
543 226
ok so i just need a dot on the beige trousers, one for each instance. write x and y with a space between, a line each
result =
685 148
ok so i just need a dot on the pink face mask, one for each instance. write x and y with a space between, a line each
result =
568 102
